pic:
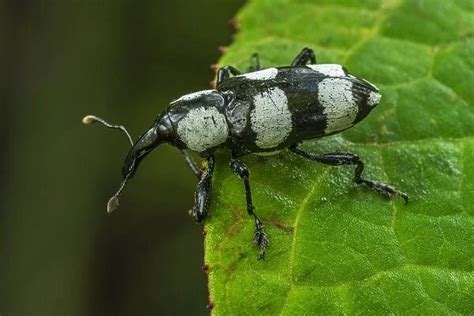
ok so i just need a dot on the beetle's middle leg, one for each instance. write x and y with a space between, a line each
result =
260 238
306 55
202 197
338 159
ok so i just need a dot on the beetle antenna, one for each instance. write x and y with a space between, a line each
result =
113 202
90 119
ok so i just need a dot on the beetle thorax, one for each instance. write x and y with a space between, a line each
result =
203 128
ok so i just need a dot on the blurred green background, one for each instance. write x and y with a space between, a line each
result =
124 60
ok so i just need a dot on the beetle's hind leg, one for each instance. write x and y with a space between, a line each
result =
306 55
260 238
202 197
338 159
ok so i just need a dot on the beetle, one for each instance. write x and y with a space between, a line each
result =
263 112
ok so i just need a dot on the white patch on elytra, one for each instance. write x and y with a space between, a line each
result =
203 128
330 70
271 119
194 95
374 98
265 74
339 106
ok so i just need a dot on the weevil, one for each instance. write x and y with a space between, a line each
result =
262 112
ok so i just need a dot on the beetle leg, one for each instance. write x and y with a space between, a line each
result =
225 72
202 197
191 163
254 63
337 159
306 55
260 238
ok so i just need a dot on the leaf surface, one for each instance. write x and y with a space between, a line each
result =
336 247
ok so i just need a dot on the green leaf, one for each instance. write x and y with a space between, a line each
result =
335 247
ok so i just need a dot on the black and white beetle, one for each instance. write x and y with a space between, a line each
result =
259 112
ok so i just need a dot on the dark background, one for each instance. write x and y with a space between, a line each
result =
60 253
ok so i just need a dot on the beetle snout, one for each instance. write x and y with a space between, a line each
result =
128 168
142 147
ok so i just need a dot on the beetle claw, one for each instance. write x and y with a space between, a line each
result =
260 239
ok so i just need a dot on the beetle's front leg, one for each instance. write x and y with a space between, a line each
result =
202 197
260 238
305 56
225 72
337 159
254 63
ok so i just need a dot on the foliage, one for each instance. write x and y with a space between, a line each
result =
336 247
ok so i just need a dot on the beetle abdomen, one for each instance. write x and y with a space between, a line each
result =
338 104
329 101
281 106
270 118
345 101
